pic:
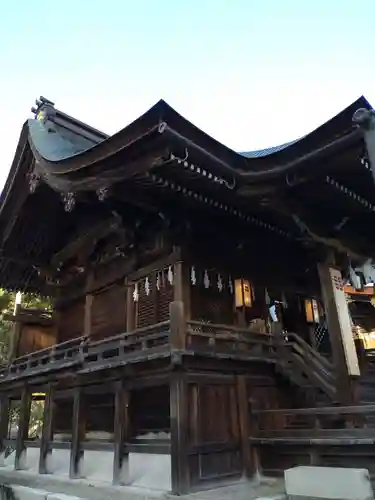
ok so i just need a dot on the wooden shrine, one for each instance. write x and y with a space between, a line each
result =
193 288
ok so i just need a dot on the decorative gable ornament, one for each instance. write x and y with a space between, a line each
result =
69 201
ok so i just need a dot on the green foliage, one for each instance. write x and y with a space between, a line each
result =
7 306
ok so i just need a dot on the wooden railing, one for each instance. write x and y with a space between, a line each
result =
305 366
339 436
88 355
225 339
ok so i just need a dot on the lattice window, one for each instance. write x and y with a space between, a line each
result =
211 304
154 307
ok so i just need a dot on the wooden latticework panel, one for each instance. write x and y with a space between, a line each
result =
71 320
211 304
154 307
108 312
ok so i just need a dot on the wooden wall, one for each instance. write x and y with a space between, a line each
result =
35 337
108 311
70 320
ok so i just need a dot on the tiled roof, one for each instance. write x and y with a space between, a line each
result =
259 153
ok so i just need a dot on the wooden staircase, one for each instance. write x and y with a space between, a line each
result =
305 367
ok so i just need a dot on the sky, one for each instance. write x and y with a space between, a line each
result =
251 73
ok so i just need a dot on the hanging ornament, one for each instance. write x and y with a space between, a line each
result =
267 297
170 275
193 276
135 293
206 280
230 285
158 282
147 286
220 285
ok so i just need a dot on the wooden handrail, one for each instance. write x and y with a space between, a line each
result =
299 340
323 410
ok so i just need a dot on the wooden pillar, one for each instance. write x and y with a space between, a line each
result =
121 435
23 429
177 325
47 433
4 424
179 433
182 289
78 435
130 307
340 331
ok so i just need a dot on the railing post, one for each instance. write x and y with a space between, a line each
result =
177 325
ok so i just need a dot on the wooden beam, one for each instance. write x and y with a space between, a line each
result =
4 424
121 435
78 435
179 433
86 242
47 432
23 429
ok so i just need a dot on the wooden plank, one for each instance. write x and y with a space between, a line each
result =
121 435
179 433
78 435
47 432
244 420
23 429
177 325
4 424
